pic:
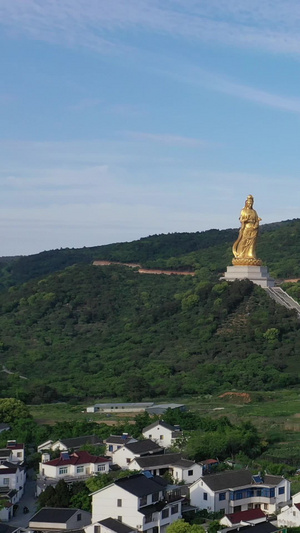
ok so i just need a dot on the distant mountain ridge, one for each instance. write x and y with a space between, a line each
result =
211 249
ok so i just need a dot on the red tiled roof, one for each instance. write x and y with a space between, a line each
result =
209 462
15 447
77 458
246 516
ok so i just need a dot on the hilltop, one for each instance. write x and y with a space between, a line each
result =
80 331
209 250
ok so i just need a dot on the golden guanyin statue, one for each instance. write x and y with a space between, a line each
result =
244 247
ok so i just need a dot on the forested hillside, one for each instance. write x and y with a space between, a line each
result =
110 332
208 250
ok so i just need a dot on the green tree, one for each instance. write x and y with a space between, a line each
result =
12 409
181 526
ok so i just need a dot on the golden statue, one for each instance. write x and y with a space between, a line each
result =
244 247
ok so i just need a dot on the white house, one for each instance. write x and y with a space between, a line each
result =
115 442
14 452
180 469
124 455
290 515
238 490
71 467
145 504
162 433
73 444
59 519
109 525
12 481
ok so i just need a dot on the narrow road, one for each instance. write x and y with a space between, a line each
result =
28 500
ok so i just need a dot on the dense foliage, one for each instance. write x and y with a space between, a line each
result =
111 332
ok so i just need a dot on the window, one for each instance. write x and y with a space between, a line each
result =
97 529
127 460
161 437
143 501
78 517
266 507
155 497
222 496
250 505
258 492
119 503
174 509
150 436
6 481
272 493
19 454
80 469
190 472
63 470
120 518
155 529
281 490
110 449
204 495
148 518
165 513
101 468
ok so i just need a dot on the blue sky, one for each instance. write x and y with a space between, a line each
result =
125 118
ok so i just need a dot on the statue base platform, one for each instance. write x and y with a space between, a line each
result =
257 274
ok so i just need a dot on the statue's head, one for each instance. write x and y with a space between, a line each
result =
249 201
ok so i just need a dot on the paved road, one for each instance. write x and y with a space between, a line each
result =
28 500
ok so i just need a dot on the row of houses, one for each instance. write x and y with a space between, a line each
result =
147 503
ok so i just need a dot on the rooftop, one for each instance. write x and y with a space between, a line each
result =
143 446
160 423
76 458
140 485
55 515
246 516
115 525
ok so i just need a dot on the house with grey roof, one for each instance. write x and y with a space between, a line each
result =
59 519
115 442
74 443
233 491
172 463
163 433
124 455
141 502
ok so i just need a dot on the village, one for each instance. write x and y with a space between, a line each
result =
157 486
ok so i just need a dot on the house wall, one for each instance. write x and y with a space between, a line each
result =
184 474
73 470
104 505
289 518
159 434
122 457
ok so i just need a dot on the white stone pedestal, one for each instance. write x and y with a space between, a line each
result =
256 274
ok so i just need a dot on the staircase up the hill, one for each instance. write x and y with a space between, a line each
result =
282 298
